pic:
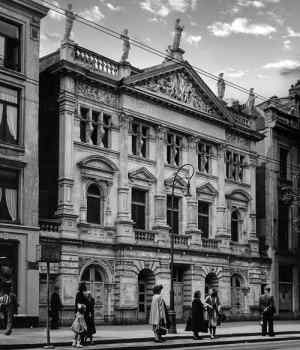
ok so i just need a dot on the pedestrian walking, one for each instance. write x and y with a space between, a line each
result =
198 324
158 314
10 309
55 308
79 326
90 317
267 310
81 299
213 306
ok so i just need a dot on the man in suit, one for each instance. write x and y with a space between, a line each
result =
267 310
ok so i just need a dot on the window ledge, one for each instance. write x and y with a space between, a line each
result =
90 225
96 147
173 166
17 225
13 73
208 176
16 148
237 183
141 159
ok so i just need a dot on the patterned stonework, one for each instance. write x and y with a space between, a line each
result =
237 140
179 87
96 94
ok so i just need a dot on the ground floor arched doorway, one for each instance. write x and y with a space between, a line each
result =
211 281
94 278
146 282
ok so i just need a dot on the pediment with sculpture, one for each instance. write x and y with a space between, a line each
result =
180 87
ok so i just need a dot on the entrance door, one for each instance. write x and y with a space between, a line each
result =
93 280
237 295
146 281
178 299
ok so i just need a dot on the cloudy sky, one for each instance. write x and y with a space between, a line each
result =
256 43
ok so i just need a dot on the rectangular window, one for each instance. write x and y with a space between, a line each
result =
204 158
9 45
95 129
283 227
285 288
174 149
138 208
203 218
283 163
235 164
173 213
9 115
84 120
140 140
8 195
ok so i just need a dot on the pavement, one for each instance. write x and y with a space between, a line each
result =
141 336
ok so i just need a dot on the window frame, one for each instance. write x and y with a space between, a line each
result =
238 221
234 166
101 204
175 210
202 155
172 147
139 137
139 204
18 107
18 195
20 41
208 204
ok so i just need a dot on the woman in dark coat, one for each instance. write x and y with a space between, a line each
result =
197 315
82 299
90 320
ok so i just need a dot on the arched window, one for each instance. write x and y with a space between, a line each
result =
235 218
94 204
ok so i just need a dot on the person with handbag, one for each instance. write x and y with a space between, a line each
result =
158 314
267 310
213 306
198 324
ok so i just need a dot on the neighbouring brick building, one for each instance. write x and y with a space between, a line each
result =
278 191
19 180
111 138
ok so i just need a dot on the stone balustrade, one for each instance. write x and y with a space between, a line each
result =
241 120
210 243
145 235
49 225
240 248
181 240
95 62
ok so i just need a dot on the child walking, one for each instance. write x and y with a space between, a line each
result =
79 326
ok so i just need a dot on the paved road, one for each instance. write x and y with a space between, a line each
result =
274 345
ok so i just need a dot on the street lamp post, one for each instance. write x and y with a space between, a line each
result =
172 313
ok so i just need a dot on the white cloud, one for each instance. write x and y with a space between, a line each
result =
262 76
283 64
112 7
240 26
234 73
292 33
55 13
156 7
93 14
287 44
251 3
179 5
193 39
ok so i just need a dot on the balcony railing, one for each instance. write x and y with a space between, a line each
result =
49 225
181 240
144 235
210 243
95 62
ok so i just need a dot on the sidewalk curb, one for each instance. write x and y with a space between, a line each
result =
164 345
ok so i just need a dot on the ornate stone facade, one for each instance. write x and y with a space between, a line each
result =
113 207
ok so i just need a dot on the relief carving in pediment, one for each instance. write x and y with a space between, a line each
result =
180 87
96 93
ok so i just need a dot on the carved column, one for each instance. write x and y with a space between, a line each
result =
124 222
160 217
192 203
222 230
66 121
252 238
107 211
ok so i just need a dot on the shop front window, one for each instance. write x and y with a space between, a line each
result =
8 195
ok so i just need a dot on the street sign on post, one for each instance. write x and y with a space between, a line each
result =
50 253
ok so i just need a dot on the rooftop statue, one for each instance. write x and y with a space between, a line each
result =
126 45
70 16
221 86
251 101
177 35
